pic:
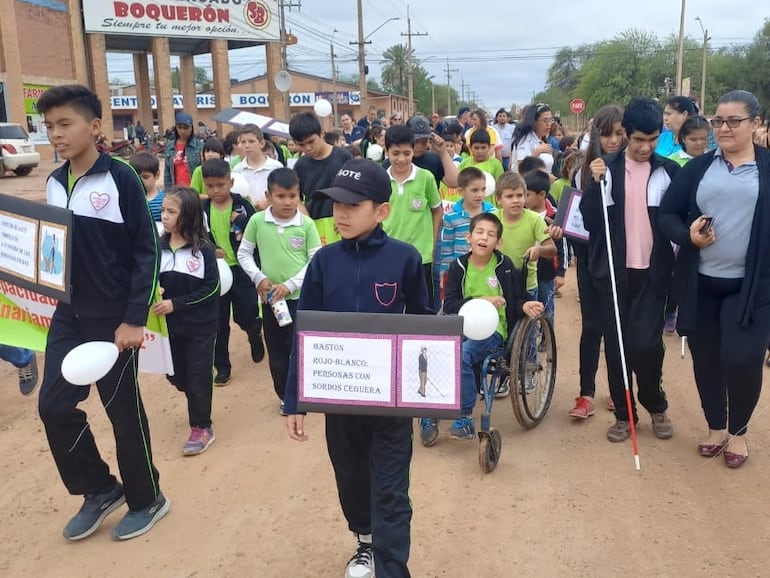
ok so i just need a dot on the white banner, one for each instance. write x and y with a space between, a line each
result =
250 20
240 100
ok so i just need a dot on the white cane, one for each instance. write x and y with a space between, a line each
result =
616 306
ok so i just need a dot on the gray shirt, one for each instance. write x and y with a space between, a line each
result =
729 195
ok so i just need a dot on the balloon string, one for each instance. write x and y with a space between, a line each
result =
106 405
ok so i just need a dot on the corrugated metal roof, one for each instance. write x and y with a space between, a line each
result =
58 5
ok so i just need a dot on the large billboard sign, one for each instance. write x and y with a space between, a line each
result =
250 20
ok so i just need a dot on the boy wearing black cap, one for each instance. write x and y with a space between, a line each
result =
367 272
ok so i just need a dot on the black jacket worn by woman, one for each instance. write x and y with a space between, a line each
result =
677 212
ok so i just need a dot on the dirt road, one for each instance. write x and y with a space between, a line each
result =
563 501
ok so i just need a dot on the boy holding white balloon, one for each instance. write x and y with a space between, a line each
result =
114 271
227 215
483 273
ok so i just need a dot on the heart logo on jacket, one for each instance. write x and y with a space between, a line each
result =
193 264
99 200
492 282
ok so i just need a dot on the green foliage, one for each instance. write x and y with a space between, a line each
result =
201 77
395 69
639 63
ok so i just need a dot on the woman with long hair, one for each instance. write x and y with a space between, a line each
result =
531 136
717 209
182 152
479 122
612 138
677 110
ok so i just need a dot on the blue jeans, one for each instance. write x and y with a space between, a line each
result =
474 352
545 296
18 356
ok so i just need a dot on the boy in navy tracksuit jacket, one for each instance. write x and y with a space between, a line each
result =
366 272
114 272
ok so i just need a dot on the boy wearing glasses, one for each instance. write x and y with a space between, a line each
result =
636 179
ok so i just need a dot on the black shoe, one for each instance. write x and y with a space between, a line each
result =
222 378
257 347
95 509
28 377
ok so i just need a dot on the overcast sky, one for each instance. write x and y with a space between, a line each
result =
502 54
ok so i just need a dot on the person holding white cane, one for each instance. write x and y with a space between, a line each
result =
635 180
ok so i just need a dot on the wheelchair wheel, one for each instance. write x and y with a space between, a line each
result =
533 370
490 445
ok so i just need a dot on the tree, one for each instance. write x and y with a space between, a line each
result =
201 77
564 73
395 70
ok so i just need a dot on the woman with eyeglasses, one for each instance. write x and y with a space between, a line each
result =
717 209
396 118
531 136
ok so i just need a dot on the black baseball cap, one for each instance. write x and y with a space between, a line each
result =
359 180
421 126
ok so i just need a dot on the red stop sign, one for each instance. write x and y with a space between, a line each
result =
577 105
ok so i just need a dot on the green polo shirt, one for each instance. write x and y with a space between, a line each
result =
484 283
528 231
411 216
284 246
220 229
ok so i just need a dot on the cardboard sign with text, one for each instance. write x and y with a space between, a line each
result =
379 364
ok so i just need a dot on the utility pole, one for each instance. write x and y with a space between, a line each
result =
448 87
409 34
334 81
432 98
680 55
703 72
463 86
283 4
361 58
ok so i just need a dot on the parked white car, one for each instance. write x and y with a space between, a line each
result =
17 151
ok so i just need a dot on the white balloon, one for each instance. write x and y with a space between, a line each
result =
490 186
240 185
480 319
89 362
322 107
225 276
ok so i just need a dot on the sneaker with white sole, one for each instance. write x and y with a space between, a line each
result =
503 389
463 428
138 522
199 441
361 565
584 407
92 513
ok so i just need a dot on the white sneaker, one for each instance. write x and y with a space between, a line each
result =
361 565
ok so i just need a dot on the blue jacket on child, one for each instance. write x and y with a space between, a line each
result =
375 275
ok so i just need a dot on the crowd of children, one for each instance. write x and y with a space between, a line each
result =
315 231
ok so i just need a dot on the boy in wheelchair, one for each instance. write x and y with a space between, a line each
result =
482 273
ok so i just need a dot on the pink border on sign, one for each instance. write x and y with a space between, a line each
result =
332 402
574 198
458 357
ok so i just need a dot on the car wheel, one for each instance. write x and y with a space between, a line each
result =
23 172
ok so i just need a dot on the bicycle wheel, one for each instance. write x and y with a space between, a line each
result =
533 370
